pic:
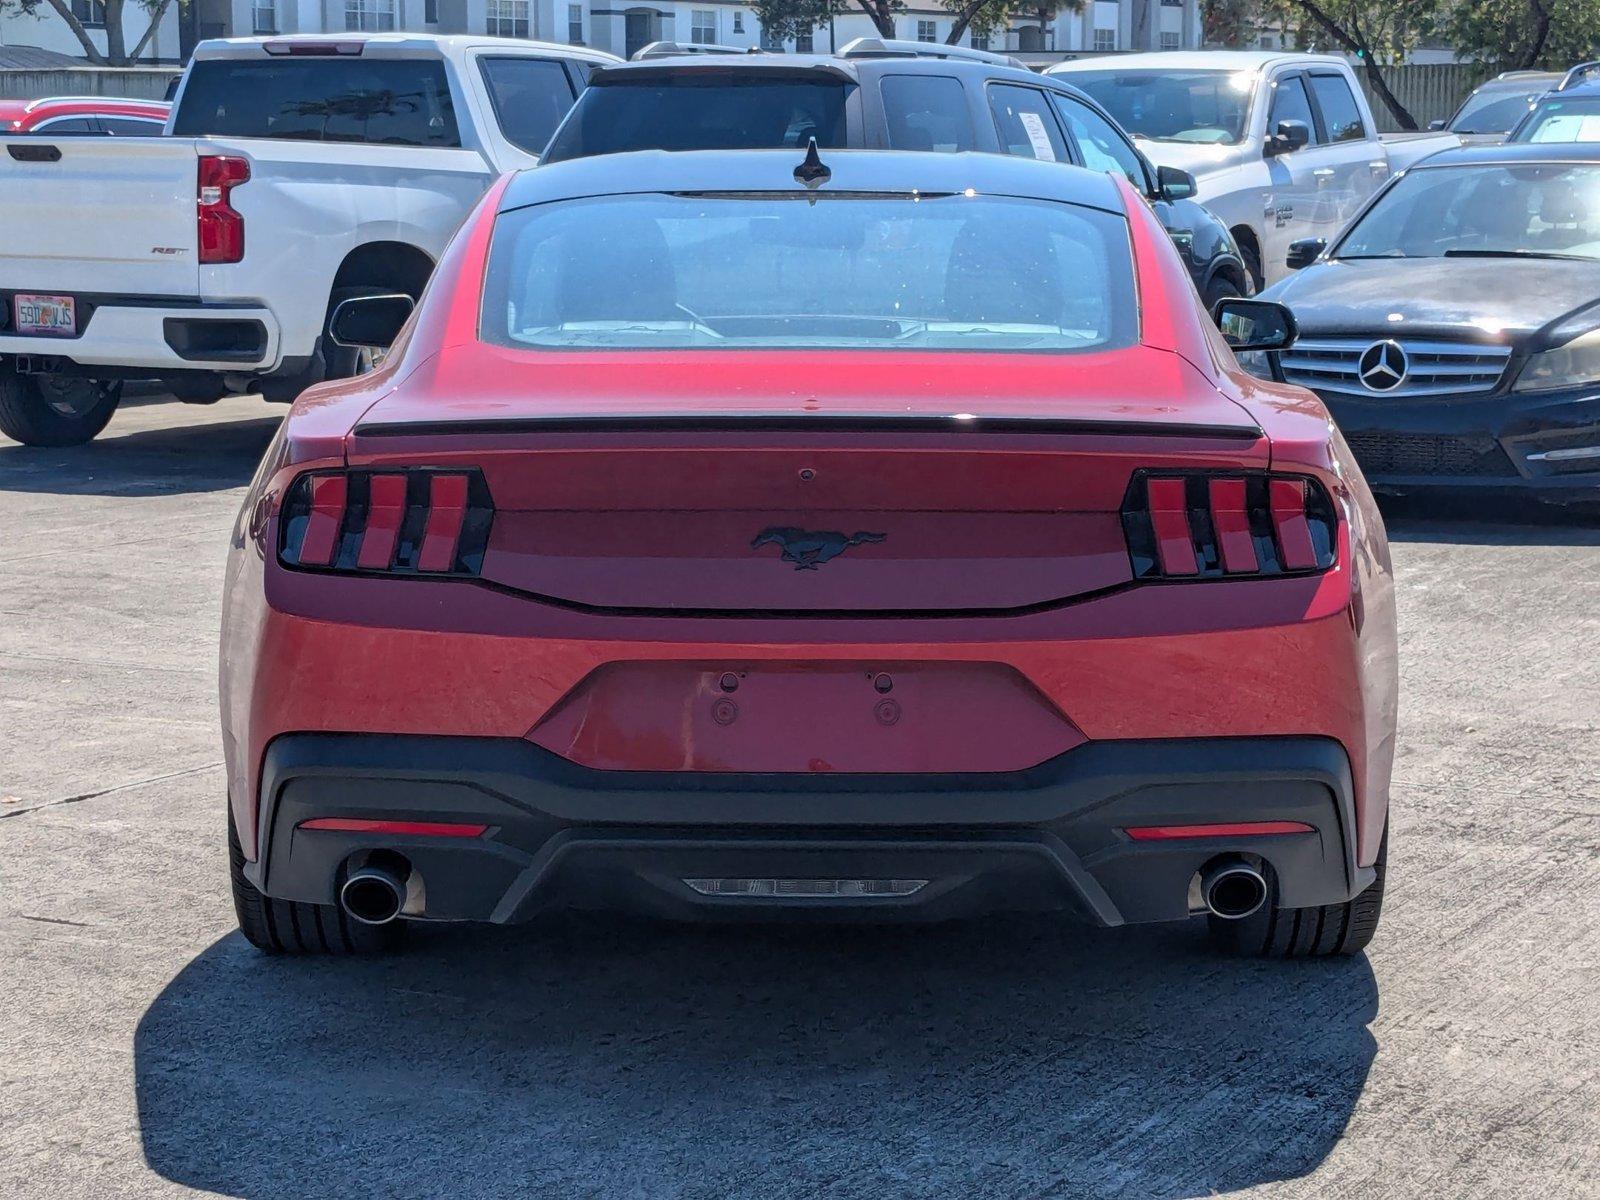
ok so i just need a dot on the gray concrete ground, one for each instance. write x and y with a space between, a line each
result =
145 1049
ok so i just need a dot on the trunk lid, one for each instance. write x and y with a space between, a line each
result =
110 214
797 484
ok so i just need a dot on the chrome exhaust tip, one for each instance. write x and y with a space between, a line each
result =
1232 889
373 895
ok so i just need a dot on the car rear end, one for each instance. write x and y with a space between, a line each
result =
802 629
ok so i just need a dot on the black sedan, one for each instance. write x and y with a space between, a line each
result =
1454 328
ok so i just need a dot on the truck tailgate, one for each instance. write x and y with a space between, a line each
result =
109 215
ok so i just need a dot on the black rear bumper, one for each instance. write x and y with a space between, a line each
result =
1050 838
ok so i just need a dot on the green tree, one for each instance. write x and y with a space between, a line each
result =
783 20
115 12
1510 35
1229 23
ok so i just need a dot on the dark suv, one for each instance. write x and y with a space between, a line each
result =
887 96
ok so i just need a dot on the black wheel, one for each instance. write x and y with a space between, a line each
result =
1220 288
1317 932
1252 266
55 410
288 927
332 360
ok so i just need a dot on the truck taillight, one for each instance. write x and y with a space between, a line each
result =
220 226
421 522
1197 525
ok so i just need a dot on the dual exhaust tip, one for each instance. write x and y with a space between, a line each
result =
1232 888
374 893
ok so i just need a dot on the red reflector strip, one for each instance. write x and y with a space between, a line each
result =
1289 519
405 828
386 510
322 525
1169 517
447 508
1167 833
1232 523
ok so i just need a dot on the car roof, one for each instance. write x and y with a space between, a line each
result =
853 69
397 45
1216 60
1585 89
1533 81
893 171
1514 152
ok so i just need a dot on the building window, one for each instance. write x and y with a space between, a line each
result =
430 12
507 18
771 44
1170 39
369 16
90 13
703 26
738 21
1105 39
575 24
980 41
264 16
803 43
927 31
1171 3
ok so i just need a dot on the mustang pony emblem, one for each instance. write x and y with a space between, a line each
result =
808 550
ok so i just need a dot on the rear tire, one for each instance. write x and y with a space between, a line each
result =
1220 288
55 410
289 927
1320 931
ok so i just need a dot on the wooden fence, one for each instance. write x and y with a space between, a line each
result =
1428 91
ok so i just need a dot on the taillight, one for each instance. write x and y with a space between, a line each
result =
220 228
1194 525
421 522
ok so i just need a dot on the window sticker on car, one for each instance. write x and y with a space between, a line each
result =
1034 126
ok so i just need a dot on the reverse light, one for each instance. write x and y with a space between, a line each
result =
1195 525
421 522
219 227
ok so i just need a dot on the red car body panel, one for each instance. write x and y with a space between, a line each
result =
25 116
621 595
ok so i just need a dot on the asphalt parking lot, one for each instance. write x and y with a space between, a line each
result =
145 1049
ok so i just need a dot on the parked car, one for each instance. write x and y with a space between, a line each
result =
894 96
1494 108
299 171
1282 146
905 585
1454 329
106 115
1569 112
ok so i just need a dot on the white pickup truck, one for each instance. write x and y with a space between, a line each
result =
295 172
1282 145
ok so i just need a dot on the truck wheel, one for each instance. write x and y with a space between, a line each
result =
345 361
1220 288
1317 932
55 410
289 927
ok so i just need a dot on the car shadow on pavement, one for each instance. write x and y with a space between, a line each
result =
613 1057
207 456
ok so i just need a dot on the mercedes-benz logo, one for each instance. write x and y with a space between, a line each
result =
1382 366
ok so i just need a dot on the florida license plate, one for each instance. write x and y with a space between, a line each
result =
53 315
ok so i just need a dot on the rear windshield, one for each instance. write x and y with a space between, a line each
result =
929 272
1493 112
396 102
704 111
1205 106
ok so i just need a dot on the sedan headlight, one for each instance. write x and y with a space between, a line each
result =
1256 362
1571 365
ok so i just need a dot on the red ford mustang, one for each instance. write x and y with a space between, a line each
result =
730 535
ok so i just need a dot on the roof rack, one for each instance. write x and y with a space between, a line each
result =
1577 75
871 47
677 50
1521 74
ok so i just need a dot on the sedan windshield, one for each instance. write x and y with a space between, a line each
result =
1523 210
845 270
1209 107
1575 120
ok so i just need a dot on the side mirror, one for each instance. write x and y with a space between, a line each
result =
1288 137
1305 252
1175 184
1255 324
370 322
1436 125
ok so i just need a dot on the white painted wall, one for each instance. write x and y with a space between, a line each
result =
48 31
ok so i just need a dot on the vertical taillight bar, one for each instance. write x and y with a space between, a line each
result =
1288 500
397 521
321 543
1169 516
1230 518
219 227
386 511
447 508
